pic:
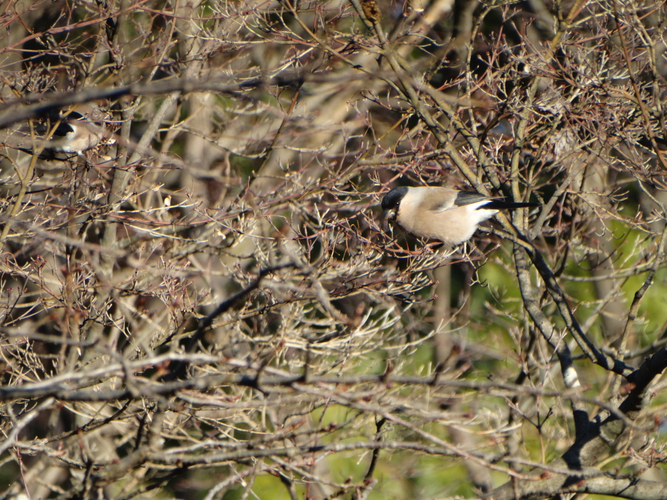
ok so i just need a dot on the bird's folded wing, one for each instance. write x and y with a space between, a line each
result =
457 199
441 207
469 197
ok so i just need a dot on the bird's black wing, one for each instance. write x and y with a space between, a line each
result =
470 197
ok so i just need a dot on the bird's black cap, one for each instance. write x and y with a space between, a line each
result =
63 129
393 198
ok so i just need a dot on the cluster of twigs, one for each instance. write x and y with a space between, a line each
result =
212 304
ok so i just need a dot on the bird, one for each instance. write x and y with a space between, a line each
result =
74 133
442 213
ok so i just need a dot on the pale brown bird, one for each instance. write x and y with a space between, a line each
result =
74 133
441 213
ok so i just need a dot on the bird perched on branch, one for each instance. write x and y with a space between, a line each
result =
441 213
67 132
75 134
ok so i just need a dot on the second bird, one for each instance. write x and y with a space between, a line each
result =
443 214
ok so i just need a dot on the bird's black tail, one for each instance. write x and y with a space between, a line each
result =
506 205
